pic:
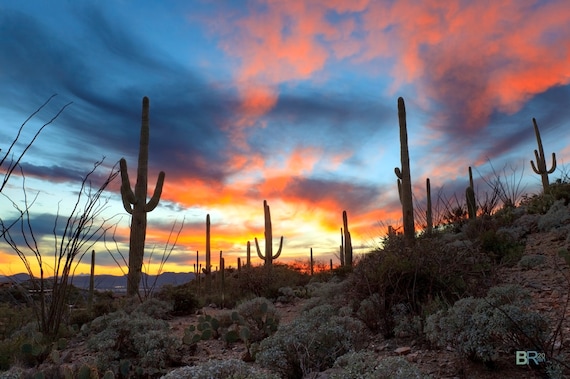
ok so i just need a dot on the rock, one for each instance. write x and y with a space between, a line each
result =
403 350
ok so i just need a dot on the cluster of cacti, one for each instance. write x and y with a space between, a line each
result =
135 203
404 179
470 197
540 167
268 257
206 328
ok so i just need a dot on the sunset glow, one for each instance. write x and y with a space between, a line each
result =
293 102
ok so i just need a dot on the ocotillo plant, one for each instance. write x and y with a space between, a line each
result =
540 167
268 257
347 241
135 203
208 269
404 175
429 216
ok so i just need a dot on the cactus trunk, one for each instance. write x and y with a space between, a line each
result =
268 257
429 216
405 186
208 269
347 241
135 203
91 283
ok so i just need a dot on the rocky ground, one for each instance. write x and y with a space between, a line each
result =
548 283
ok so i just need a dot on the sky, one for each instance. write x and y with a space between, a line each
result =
293 102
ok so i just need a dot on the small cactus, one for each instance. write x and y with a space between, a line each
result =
540 167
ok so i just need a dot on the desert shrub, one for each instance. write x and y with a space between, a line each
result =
365 365
260 316
181 297
528 262
12 318
406 323
479 328
154 308
557 215
409 276
104 302
537 204
144 341
227 368
311 343
501 247
333 293
263 282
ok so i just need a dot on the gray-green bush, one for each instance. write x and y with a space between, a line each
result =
260 316
311 343
365 365
144 341
227 368
479 328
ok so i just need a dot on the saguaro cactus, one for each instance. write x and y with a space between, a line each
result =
429 215
208 269
135 203
540 167
403 174
248 256
268 257
347 241
470 197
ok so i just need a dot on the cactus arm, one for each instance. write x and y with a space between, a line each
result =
553 164
128 196
153 202
279 250
259 254
398 172
536 170
128 207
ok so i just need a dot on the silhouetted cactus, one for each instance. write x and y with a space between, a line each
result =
208 269
135 203
471 207
268 257
470 197
347 241
311 261
91 283
429 215
248 259
403 174
540 167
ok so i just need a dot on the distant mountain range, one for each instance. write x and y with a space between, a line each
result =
115 283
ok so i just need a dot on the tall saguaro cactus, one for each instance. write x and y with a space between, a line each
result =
268 257
540 167
347 241
135 203
429 215
405 183
208 269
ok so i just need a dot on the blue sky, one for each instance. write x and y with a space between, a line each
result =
291 102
